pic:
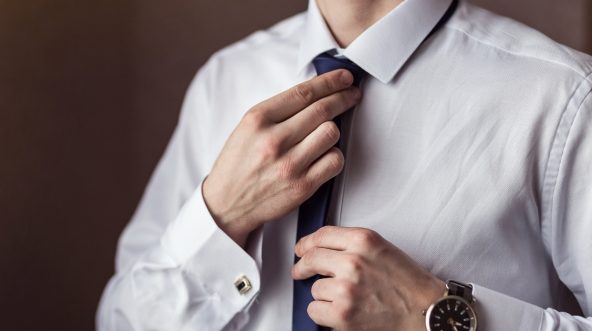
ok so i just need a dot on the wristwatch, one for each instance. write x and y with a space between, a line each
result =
454 311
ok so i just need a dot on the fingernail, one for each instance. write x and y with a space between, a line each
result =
356 93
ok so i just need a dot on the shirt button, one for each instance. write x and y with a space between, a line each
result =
243 284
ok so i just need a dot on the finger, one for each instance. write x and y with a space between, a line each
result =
319 261
323 313
326 289
315 145
293 100
302 123
330 237
324 168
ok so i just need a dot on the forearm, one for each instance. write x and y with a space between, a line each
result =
181 282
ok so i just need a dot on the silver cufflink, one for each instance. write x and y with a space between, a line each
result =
243 284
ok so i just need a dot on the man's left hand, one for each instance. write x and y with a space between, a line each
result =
370 284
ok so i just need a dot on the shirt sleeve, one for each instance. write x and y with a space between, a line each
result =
175 269
566 229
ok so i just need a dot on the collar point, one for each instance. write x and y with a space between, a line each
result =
384 76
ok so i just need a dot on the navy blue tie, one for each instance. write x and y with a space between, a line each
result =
313 212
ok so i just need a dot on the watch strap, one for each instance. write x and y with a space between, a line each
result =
458 289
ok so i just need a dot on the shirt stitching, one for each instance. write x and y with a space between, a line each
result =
558 148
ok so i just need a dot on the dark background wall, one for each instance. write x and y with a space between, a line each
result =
89 95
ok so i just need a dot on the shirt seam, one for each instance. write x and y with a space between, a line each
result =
581 73
547 203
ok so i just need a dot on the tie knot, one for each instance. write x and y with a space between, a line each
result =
327 62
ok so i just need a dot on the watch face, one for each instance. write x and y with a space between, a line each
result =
451 314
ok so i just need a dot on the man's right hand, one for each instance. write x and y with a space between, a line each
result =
281 152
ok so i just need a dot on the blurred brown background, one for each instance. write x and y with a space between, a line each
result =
89 95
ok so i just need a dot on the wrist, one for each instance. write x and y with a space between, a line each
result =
455 309
236 232
236 229
428 291
433 290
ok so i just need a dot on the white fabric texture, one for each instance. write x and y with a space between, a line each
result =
471 151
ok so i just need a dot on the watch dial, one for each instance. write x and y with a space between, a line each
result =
452 314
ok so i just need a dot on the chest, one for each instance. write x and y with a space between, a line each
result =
454 183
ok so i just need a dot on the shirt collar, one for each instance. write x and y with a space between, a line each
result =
384 47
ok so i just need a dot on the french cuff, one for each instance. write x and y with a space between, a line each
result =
500 312
203 250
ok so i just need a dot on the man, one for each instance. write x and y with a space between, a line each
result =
468 158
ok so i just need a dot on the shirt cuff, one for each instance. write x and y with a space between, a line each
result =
500 312
204 251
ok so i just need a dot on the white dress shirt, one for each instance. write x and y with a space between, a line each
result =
471 151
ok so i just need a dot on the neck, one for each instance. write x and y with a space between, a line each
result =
347 19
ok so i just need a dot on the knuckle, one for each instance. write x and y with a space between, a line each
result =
346 289
331 82
254 118
319 235
271 147
355 264
302 187
321 111
365 237
324 230
287 169
331 131
304 93
310 255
